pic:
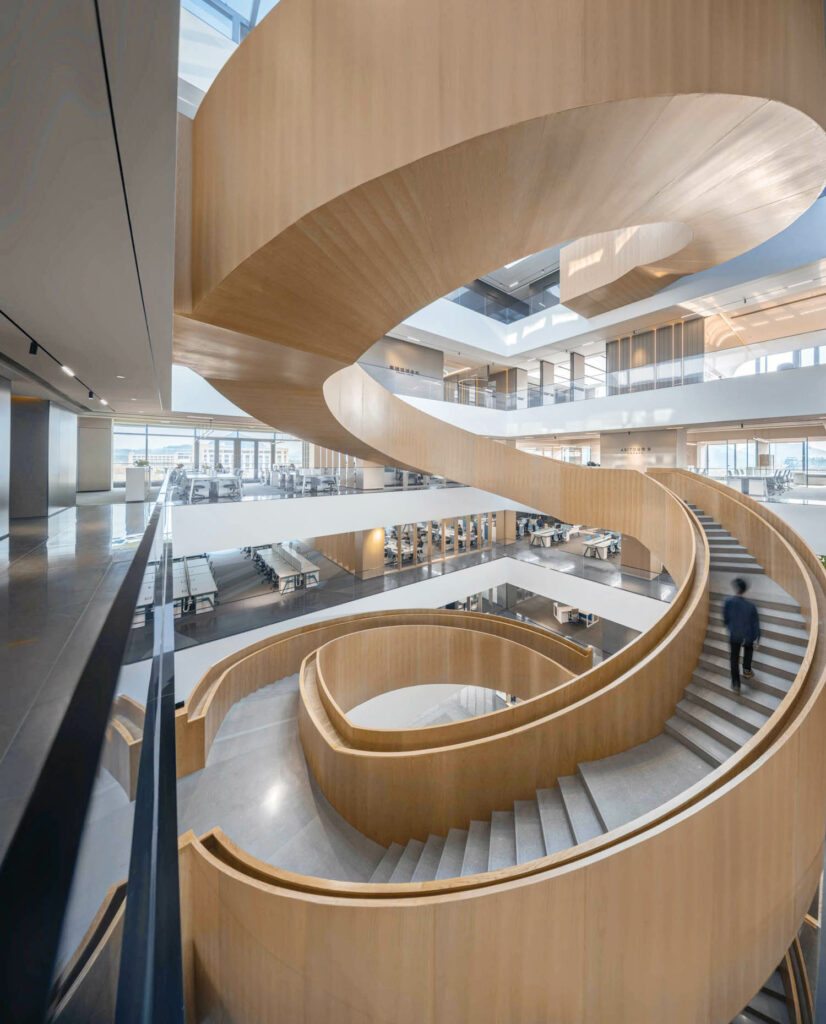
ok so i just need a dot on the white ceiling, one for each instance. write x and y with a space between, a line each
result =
77 277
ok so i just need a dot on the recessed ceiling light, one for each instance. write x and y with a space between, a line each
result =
67 371
133 399
103 401
120 376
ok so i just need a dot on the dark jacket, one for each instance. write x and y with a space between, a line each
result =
741 618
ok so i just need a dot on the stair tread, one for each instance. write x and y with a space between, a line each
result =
477 848
453 852
728 704
384 868
771 678
783 664
768 646
403 871
502 851
556 831
750 568
775 985
722 729
785 608
795 636
429 859
769 1007
697 740
582 816
759 699
530 843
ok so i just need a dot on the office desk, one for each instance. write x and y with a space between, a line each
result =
598 548
545 537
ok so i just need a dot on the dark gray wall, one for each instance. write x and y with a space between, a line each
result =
62 469
43 465
29 491
5 447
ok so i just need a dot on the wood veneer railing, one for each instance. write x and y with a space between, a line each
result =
732 880
359 666
260 664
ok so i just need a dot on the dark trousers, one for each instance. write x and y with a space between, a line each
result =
748 650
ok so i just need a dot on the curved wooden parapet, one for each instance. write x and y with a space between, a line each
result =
358 666
600 272
735 860
86 988
122 747
262 663
344 200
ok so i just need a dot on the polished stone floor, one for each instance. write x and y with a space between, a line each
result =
256 786
58 576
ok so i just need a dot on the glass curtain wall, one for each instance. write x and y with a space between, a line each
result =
805 459
163 447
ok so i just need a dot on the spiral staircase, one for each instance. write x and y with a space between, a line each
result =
632 841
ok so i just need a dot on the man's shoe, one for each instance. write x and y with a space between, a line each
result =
735 687
748 674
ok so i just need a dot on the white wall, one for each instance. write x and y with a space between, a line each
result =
807 520
94 454
787 393
235 524
642 448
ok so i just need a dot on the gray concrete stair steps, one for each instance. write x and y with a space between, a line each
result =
429 860
735 568
711 721
697 740
769 1008
386 866
721 729
775 986
556 832
726 705
502 849
731 556
721 681
791 649
581 813
403 871
783 664
477 848
453 853
787 610
530 842
787 634
763 680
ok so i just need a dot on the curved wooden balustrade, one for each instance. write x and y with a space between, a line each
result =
705 856
322 218
359 666
260 664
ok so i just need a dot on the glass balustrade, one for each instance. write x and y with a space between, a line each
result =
743 361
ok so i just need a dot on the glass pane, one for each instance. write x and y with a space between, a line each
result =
264 459
127 450
207 454
226 455
391 548
247 464
165 452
